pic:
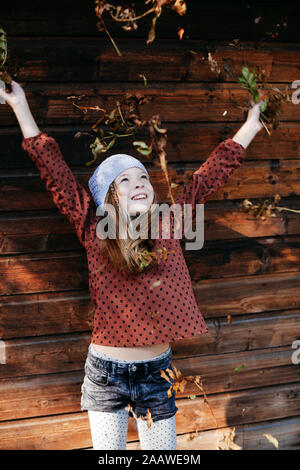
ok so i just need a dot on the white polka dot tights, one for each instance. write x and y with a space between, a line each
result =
109 431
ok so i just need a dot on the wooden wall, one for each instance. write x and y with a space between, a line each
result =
252 265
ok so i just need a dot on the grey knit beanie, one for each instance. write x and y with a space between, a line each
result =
105 174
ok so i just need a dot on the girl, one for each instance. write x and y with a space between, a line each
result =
141 306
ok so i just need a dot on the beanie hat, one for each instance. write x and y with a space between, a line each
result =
105 174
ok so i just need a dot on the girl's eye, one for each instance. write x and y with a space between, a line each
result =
123 179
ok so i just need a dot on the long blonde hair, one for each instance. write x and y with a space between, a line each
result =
128 254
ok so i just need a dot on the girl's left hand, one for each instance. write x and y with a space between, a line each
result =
254 113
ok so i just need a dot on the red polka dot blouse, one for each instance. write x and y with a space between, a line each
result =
152 307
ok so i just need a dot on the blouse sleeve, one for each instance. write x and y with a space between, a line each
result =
212 174
67 193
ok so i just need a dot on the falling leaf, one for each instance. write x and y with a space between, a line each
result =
144 78
151 35
257 20
228 319
159 129
180 33
225 112
272 439
265 209
149 418
155 284
213 64
179 6
180 382
227 443
142 147
239 368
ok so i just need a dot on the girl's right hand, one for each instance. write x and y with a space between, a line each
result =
16 98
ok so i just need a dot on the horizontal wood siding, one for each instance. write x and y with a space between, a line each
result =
246 278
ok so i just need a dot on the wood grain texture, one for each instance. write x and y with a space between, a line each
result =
94 59
246 277
174 102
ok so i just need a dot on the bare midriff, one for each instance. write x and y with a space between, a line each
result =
130 354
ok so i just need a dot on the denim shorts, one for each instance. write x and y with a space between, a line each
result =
112 384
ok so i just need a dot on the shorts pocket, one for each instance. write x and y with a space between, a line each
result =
95 375
99 380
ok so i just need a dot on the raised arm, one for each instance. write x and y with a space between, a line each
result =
221 163
212 175
68 194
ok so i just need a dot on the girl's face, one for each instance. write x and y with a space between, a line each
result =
130 183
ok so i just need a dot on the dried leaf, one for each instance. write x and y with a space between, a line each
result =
155 284
164 376
180 33
151 35
149 418
227 443
273 440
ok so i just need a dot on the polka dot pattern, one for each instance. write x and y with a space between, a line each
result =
154 307
109 431
160 436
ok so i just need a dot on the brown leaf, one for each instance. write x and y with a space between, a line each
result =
272 439
149 418
151 35
180 7
180 33
164 376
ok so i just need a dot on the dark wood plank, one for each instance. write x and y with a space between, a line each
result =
174 102
43 272
56 235
45 313
22 191
249 294
243 257
187 142
52 59
44 354
245 332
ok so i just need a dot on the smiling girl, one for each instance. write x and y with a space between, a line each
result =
138 313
